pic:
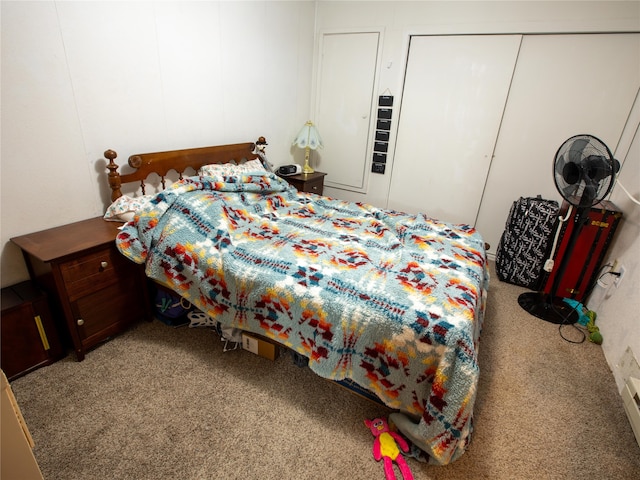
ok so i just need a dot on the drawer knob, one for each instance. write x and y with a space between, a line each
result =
80 322
104 264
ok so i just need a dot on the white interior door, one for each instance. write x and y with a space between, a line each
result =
563 85
348 66
454 96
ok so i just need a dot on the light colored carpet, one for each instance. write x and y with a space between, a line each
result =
163 403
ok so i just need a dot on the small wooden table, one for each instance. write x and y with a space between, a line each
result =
97 290
310 182
28 334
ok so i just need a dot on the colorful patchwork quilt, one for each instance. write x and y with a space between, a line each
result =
391 301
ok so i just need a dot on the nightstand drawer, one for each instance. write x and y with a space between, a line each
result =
309 183
314 186
91 272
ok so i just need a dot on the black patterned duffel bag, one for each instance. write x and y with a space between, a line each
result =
526 241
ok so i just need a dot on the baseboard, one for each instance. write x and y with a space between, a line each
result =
631 398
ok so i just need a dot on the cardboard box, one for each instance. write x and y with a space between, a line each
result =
260 346
16 443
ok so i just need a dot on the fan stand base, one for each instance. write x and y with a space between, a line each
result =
548 308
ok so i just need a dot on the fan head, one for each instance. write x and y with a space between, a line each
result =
584 170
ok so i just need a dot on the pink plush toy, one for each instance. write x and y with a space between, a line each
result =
385 447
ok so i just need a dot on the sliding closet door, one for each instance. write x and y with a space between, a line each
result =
454 96
563 85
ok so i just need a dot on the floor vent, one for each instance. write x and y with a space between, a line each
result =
631 398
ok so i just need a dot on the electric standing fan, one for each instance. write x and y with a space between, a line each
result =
584 172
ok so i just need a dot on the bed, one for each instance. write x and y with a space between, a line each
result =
390 301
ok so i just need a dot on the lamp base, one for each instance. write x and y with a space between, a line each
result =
306 169
548 308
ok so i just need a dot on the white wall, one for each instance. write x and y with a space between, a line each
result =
82 77
617 311
618 307
401 19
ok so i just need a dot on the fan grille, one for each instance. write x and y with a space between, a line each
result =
584 170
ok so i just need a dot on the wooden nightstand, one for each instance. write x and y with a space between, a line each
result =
29 335
310 183
99 292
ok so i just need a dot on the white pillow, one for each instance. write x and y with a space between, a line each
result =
124 208
254 165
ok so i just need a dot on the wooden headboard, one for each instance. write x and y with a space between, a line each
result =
161 163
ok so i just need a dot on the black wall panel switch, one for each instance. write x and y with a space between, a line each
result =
381 146
384 113
383 124
379 157
385 100
377 167
382 136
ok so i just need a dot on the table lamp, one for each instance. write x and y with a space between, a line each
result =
309 139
